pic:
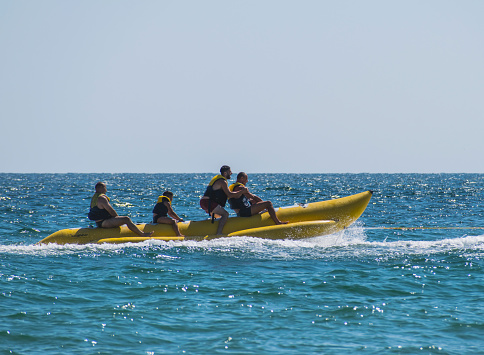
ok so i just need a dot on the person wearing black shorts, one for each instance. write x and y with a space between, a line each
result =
104 214
249 204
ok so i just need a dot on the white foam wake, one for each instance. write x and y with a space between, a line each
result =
348 243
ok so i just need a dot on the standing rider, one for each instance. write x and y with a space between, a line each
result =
215 197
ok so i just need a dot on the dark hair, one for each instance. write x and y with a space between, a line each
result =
224 168
168 193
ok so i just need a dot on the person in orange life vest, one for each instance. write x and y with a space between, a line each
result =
104 214
249 204
215 197
163 212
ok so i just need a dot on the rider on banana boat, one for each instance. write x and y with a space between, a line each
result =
215 197
163 212
249 204
104 214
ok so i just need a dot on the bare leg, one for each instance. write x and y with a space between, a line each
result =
224 215
120 220
168 220
266 205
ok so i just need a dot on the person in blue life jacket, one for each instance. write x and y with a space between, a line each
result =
104 214
163 212
249 204
215 197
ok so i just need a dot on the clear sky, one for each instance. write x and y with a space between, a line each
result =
264 86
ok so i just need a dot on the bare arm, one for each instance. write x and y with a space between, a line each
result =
172 213
234 194
103 203
252 198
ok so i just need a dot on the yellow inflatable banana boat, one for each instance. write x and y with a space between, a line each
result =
305 221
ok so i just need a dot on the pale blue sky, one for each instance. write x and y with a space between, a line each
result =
264 86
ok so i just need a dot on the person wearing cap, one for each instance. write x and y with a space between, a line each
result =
215 197
249 204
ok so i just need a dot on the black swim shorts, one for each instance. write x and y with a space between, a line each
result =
99 224
155 218
244 212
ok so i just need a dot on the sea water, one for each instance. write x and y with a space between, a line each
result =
381 286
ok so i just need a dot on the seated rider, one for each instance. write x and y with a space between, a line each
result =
104 214
163 209
215 197
249 204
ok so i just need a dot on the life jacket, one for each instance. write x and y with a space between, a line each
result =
234 185
160 209
217 196
96 213
240 202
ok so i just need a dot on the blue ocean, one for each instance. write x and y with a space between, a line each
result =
406 278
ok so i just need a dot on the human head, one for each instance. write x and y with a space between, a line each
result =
242 177
225 171
101 187
168 194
